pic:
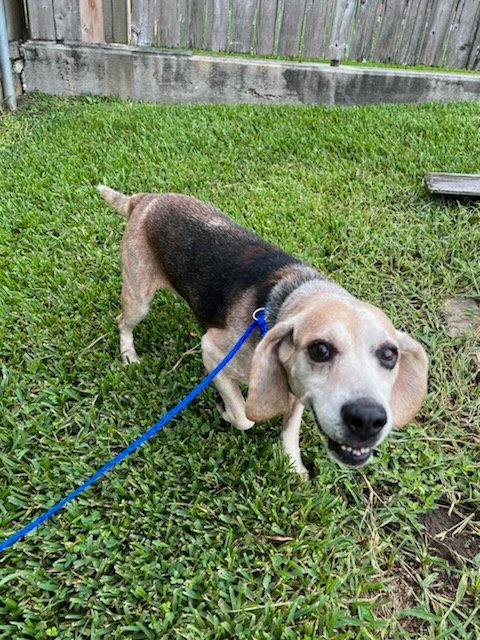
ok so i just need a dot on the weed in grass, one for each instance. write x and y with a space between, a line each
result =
205 533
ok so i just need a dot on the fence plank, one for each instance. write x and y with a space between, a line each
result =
218 12
108 19
291 29
15 19
183 13
168 34
416 17
265 31
341 29
91 20
368 17
463 33
243 13
142 29
41 20
465 184
318 29
66 14
115 20
474 58
390 30
436 32
197 24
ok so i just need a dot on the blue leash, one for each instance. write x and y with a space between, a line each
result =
258 322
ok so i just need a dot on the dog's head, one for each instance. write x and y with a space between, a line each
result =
343 360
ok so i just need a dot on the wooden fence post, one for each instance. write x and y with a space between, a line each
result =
463 31
66 15
91 20
342 25
243 13
218 13
41 20
318 29
266 21
15 20
197 24
291 29
116 21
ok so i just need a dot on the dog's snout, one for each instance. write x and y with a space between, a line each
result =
364 417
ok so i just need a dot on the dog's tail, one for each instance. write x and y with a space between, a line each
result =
119 201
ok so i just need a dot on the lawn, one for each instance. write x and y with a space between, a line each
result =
204 533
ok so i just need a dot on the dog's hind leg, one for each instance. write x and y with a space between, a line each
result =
141 278
135 306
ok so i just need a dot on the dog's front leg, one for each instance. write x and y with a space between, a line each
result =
232 407
291 436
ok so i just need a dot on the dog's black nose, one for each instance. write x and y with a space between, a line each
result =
364 417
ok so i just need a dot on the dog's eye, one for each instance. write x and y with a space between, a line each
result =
321 351
388 355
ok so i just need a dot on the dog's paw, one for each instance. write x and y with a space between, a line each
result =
242 425
130 357
303 476
301 471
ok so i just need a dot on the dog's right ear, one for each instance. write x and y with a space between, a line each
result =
268 392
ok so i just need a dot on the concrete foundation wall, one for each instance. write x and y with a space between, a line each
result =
156 76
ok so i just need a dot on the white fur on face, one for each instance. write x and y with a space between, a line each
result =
356 331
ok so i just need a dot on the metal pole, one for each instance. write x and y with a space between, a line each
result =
5 64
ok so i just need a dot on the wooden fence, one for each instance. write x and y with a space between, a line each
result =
431 32
15 20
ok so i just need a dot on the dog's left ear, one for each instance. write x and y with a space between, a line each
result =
268 393
411 383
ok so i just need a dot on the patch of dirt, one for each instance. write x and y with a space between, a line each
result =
447 537
402 587
400 594
462 314
405 591
452 536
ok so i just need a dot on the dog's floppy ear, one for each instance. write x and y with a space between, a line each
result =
411 384
268 393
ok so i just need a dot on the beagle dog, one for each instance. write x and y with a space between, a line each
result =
324 350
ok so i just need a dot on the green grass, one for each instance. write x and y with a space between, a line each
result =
204 533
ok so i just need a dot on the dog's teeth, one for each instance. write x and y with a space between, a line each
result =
360 451
356 451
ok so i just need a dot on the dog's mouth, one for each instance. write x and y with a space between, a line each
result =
352 456
345 453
